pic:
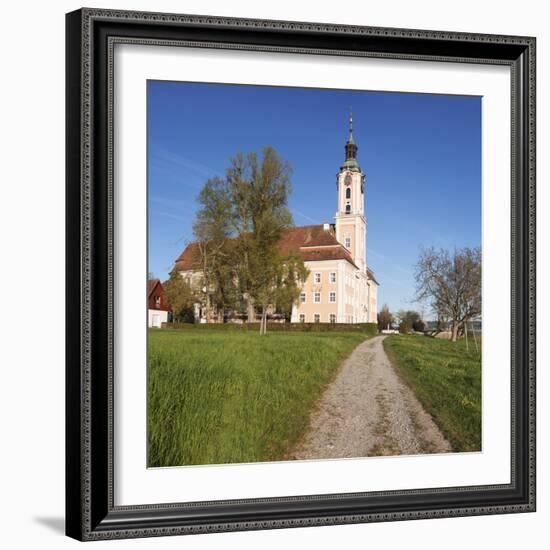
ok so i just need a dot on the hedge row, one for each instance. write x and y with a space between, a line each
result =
367 328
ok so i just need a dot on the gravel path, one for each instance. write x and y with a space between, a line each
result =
369 411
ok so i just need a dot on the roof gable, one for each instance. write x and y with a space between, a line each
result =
151 285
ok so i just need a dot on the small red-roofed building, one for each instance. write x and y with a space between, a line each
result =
158 308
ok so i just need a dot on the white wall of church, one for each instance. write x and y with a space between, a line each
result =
372 302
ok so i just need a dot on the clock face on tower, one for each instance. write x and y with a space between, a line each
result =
347 179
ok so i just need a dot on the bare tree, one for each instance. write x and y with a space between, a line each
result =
452 284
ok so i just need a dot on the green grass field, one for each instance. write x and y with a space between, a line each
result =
447 380
219 397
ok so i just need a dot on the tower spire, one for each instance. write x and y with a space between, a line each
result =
351 149
350 139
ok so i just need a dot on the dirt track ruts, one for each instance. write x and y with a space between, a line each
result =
369 411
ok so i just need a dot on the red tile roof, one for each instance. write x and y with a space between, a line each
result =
189 258
151 284
155 291
307 235
370 275
313 242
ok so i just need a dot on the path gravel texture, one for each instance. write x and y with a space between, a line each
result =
369 411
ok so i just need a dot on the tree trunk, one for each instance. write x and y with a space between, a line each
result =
455 331
207 309
263 322
250 311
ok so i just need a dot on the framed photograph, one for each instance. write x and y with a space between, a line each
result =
300 274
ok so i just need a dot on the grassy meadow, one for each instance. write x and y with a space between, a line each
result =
446 378
218 397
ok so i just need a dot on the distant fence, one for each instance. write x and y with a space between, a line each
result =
367 328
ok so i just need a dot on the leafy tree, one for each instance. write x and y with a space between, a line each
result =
407 320
409 317
213 231
385 318
452 283
293 272
238 228
180 297
260 189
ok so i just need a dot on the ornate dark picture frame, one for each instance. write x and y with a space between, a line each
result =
90 510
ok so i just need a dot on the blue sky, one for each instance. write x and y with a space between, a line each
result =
421 154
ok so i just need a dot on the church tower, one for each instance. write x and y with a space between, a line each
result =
351 225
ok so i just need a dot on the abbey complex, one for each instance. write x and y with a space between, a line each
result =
340 287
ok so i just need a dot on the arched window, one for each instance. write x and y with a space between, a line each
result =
348 208
348 193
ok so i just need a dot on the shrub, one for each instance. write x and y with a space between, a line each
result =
370 329
404 328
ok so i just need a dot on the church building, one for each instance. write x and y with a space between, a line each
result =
340 287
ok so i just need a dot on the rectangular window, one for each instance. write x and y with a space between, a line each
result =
302 318
333 277
332 318
317 277
347 242
157 301
303 297
317 297
332 297
317 318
